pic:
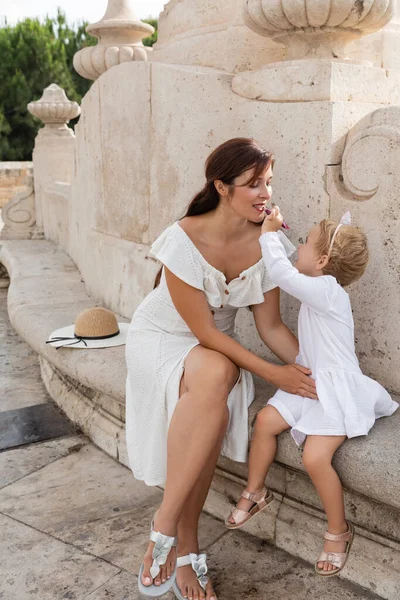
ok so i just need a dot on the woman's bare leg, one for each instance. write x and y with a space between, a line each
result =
194 433
189 522
269 424
317 459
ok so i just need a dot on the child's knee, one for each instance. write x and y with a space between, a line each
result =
314 462
270 421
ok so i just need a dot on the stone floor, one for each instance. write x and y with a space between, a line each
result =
74 523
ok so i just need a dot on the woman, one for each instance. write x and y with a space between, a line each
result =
189 380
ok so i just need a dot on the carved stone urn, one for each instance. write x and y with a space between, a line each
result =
317 28
55 110
120 33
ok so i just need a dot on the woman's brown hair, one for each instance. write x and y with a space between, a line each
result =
227 162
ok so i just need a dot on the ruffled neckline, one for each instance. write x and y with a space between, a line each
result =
259 264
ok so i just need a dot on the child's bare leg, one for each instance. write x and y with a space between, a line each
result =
269 424
317 459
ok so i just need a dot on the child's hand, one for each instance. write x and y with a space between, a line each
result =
272 222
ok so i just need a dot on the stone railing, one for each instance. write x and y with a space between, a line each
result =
17 201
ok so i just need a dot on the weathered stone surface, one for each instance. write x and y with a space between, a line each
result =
303 81
368 181
34 565
84 486
20 462
20 381
253 569
122 539
122 586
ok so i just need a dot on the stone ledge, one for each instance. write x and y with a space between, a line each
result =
367 466
36 309
90 388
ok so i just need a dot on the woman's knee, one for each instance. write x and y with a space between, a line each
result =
210 372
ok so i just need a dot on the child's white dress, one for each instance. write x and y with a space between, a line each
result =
349 402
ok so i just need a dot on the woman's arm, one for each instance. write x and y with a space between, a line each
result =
272 330
192 306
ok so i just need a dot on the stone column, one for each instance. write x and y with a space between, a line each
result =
53 154
120 33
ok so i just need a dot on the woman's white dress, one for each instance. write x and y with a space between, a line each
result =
348 401
159 341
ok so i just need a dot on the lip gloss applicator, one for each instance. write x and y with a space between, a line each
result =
268 212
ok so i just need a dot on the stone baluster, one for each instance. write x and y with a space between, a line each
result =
316 34
54 149
120 33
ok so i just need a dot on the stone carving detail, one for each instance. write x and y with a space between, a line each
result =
371 146
317 28
120 33
55 110
19 215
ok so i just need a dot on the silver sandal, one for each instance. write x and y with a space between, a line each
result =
199 566
161 550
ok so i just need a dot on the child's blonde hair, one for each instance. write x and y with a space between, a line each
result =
348 257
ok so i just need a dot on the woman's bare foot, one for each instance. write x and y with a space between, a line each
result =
168 568
189 586
333 547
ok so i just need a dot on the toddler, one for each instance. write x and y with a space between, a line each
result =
333 256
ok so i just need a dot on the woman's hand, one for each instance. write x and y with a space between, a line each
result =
295 379
273 221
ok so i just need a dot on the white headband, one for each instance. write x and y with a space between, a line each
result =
345 220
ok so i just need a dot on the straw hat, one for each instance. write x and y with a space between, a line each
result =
94 328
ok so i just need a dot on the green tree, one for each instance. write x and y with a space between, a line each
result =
153 38
35 54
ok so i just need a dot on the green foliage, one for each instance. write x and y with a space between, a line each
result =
35 54
153 38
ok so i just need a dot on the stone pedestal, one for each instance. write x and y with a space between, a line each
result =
319 80
53 160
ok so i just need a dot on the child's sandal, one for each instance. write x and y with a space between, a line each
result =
337 559
261 499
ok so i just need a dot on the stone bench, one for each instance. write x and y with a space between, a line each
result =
46 292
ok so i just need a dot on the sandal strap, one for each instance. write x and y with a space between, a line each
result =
199 566
340 537
162 547
238 514
255 496
336 559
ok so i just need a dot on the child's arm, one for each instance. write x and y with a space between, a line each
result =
312 291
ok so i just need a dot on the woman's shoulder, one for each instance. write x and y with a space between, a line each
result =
194 227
